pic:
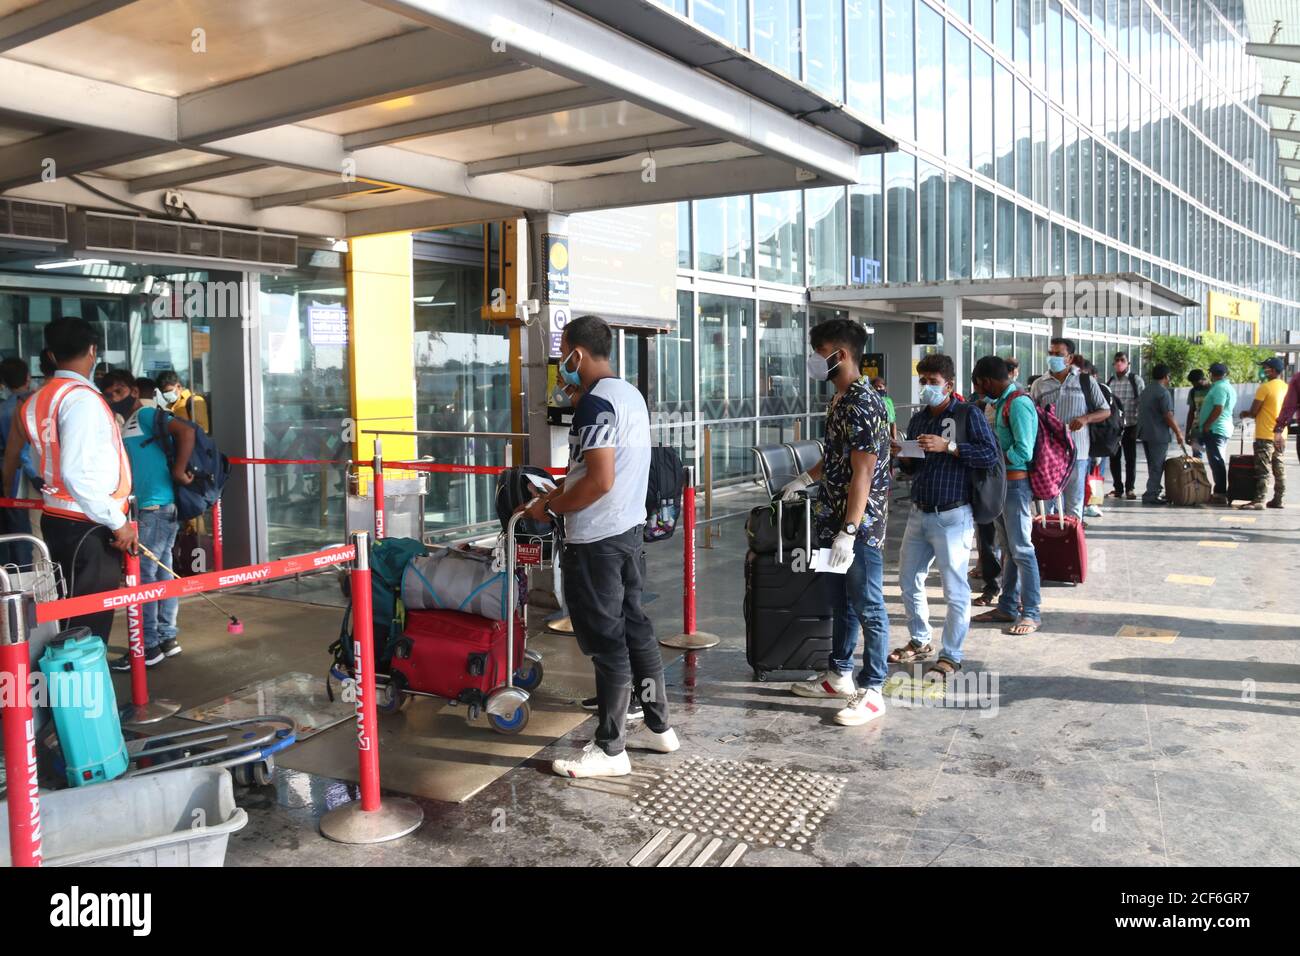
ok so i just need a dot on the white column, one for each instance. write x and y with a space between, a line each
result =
952 342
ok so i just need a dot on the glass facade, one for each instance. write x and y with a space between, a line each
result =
1037 137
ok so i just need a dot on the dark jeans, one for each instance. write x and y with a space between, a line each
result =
16 521
1128 451
990 560
602 588
90 564
1214 445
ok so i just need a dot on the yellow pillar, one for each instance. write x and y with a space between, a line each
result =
381 337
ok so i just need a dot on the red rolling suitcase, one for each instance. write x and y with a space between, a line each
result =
1241 474
1061 547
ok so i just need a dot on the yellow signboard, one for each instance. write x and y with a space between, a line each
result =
1226 308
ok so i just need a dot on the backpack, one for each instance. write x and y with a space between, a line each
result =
1104 436
988 486
388 560
1054 451
514 490
663 494
209 468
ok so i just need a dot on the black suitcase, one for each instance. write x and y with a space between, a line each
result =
1241 475
763 522
789 619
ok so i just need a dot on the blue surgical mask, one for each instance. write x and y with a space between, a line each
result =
570 378
933 395
1056 363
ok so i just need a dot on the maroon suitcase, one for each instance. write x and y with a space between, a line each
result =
1061 548
1241 475
454 655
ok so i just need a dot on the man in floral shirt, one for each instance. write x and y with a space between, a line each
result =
850 510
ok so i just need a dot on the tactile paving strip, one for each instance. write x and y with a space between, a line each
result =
760 804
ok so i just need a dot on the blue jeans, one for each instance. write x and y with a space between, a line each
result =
1074 491
1214 445
861 610
1021 584
945 538
1156 453
158 529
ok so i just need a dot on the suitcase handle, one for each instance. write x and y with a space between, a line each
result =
1060 509
807 527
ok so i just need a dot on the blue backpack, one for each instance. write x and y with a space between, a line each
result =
208 466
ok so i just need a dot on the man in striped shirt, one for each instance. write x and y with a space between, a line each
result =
1126 385
1062 388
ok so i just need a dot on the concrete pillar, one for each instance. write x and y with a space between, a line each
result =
543 446
952 309
893 339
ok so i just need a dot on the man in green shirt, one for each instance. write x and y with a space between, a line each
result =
1215 423
878 384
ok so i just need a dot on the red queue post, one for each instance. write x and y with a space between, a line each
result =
141 710
370 819
24 805
690 639
377 465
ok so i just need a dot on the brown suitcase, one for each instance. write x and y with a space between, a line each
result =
1186 481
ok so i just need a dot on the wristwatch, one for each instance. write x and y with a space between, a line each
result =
850 528
952 448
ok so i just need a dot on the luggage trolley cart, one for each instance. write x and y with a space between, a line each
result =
506 706
44 580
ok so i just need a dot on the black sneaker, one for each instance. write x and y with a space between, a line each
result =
169 647
153 656
634 709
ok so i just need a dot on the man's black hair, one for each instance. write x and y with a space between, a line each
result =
117 376
938 363
147 386
14 374
167 378
842 333
70 338
1159 371
592 333
1013 363
1120 355
991 368
1068 343
1196 375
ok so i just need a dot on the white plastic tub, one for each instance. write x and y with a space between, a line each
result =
172 818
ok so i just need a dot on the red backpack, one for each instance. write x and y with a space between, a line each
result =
1054 451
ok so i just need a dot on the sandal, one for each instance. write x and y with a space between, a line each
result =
987 599
996 616
1022 627
942 668
909 652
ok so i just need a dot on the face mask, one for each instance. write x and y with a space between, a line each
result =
170 397
123 407
1057 363
819 367
933 395
570 378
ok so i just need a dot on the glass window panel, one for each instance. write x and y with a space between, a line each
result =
1005 261
1003 16
782 371
824 38
1024 142
1040 246
1005 131
959 229
1055 161
900 223
934 220
722 232
1025 243
827 235
983 234
864 57
958 96
982 109
900 111
1040 151
1055 81
1086 179
684 260
1022 34
776 34
729 19
929 78
867 223
726 347
778 218
982 17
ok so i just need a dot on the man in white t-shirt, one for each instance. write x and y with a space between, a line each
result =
603 504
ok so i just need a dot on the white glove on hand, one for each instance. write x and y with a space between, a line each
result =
791 491
842 551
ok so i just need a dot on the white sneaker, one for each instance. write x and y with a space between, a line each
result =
825 684
863 707
594 762
643 738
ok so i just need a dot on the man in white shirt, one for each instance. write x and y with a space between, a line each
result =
1062 388
603 504
78 450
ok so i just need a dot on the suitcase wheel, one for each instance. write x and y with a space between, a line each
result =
530 675
512 724
391 697
760 676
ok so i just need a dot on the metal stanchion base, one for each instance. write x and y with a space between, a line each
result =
350 824
690 642
150 713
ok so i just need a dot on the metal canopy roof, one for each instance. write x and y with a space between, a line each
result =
1111 294
348 117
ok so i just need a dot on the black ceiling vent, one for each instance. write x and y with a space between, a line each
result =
138 236
40 221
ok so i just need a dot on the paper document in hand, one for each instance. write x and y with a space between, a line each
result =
911 449
541 482
821 561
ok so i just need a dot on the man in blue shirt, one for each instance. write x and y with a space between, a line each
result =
1015 424
18 383
152 476
941 526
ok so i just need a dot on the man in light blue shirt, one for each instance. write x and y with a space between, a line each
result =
1215 424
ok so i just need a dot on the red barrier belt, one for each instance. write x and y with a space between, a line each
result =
428 466
180 587
290 461
21 503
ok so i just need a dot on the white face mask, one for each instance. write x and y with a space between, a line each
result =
819 367
170 397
